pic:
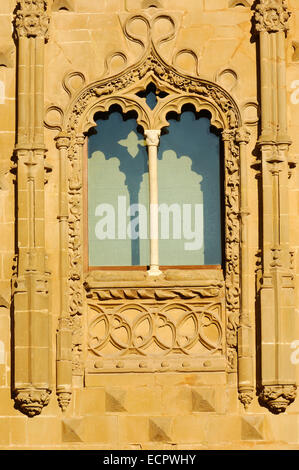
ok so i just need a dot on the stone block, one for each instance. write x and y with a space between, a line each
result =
100 429
177 400
160 429
115 400
90 401
252 428
133 429
17 430
42 431
189 429
144 400
72 430
223 429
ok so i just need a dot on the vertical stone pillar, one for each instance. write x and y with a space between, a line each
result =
152 142
278 388
32 377
245 347
64 333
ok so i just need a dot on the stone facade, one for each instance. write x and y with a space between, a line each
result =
61 61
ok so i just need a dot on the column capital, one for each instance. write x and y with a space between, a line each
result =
272 16
62 140
152 137
32 19
242 135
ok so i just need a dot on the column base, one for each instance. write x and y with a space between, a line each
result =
154 271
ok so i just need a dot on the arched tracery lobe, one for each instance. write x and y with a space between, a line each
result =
123 89
173 90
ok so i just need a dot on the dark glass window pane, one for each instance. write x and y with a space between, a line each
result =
190 191
117 183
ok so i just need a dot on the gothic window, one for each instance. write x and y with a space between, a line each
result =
189 191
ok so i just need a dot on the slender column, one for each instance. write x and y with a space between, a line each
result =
152 141
278 387
245 350
32 376
64 333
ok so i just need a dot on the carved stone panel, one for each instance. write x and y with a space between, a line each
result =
156 329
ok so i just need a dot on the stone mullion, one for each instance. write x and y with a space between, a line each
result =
31 316
152 142
277 290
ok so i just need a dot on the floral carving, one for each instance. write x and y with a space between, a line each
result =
32 401
32 19
277 397
232 246
272 16
75 255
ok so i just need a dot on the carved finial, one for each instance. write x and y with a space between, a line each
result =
277 397
272 16
32 19
31 401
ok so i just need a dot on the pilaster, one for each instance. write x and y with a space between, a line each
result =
32 378
278 388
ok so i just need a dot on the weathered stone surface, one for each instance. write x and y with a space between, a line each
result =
238 61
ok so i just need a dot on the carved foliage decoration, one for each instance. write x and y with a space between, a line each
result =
272 16
232 244
277 397
75 255
32 401
32 19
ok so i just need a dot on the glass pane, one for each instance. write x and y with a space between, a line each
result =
189 193
117 193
